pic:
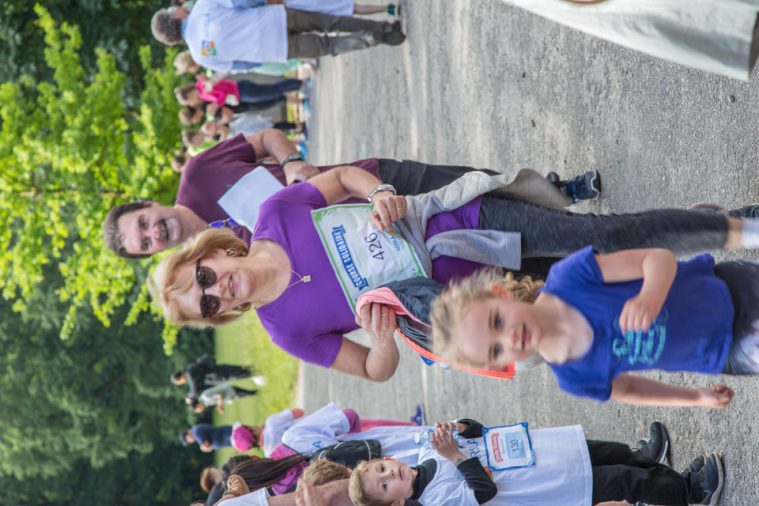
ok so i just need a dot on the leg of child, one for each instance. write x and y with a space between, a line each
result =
254 93
620 474
551 232
742 279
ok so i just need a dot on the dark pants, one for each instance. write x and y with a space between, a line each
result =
304 43
412 178
242 392
551 233
223 372
620 474
742 280
254 93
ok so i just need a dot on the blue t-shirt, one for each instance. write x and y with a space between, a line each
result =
693 332
217 436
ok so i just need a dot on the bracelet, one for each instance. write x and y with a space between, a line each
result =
292 157
384 187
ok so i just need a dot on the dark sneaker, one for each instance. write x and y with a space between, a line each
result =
745 212
656 447
554 179
393 9
584 187
419 417
394 36
695 465
711 480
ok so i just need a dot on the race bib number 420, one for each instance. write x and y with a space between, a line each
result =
363 257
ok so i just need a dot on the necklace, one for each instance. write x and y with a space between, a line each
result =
301 279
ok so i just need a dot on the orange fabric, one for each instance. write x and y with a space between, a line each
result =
387 297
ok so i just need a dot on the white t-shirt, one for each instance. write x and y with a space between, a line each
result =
217 34
274 427
257 498
329 425
561 475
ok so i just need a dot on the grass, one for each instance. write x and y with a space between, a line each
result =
246 343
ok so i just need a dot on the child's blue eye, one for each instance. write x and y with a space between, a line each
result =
497 322
497 350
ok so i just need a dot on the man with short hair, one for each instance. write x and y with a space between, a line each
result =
226 35
141 229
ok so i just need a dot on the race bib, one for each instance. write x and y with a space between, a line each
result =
508 447
243 200
363 257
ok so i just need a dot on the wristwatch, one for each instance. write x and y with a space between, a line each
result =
384 187
292 157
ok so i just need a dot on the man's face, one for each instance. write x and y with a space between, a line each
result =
151 229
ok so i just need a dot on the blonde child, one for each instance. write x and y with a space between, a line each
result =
598 318
566 469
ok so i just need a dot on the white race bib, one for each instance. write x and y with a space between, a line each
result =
363 257
508 447
243 200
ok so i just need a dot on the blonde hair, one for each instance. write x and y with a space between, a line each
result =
358 495
449 308
324 471
183 61
166 287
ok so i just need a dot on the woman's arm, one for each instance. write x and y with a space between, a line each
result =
346 181
633 389
657 267
377 363
274 143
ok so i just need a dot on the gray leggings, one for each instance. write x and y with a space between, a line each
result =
556 233
742 279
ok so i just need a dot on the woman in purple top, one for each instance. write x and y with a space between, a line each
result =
286 274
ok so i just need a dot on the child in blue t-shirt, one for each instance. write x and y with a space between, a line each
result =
600 318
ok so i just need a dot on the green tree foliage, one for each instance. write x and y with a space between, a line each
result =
93 416
69 150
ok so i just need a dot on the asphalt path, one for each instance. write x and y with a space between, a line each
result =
487 85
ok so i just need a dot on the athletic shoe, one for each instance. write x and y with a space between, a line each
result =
745 212
584 187
711 480
554 179
695 465
394 36
393 9
419 417
259 380
656 447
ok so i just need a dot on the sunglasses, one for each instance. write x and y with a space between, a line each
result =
206 278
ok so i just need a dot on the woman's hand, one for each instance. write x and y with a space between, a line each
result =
717 396
445 444
378 320
640 312
388 208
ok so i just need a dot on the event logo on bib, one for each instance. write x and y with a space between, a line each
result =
338 236
208 48
638 347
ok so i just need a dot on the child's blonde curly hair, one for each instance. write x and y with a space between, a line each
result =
448 309
320 472
358 495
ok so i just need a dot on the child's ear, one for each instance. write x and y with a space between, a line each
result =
501 291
